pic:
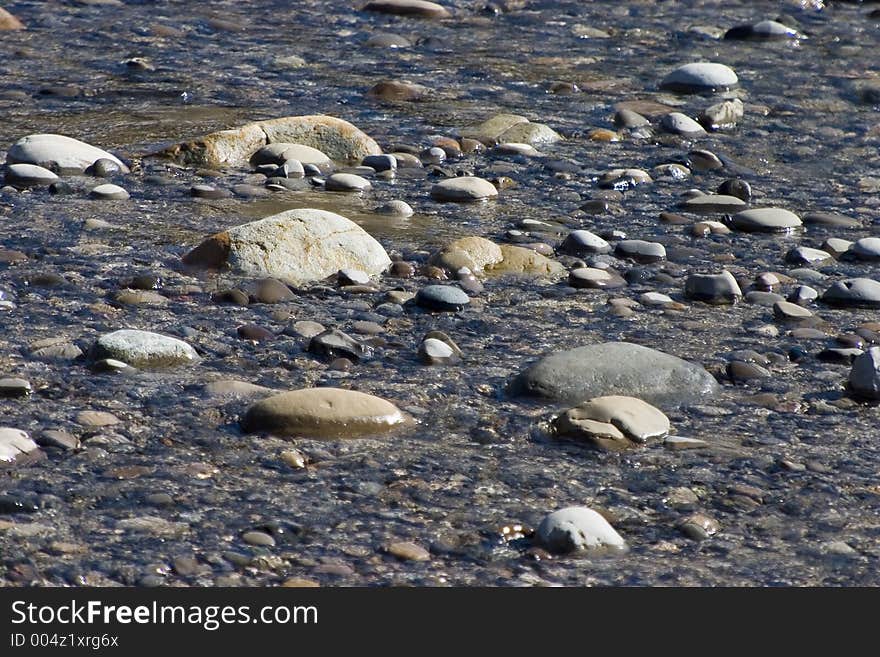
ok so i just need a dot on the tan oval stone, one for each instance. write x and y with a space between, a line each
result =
463 189
614 422
519 260
475 253
322 412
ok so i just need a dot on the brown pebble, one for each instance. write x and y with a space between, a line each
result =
254 332
408 551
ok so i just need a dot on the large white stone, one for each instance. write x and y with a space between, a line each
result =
578 528
297 246
57 152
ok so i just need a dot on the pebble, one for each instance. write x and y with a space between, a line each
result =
333 343
463 189
28 175
761 31
322 412
346 182
592 278
380 162
804 255
9 22
17 448
836 246
271 290
699 527
258 538
710 203
702 160
395 208
681 124
15 387
418 8
437 352
577 528
713 288
209 192
109 192
736 187
640 250
830 220
787 311
408 551
583 242
700 77
613 422
143 349
864 377
766 220
442 298
867 248
722 116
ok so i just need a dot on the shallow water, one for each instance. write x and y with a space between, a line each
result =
478 459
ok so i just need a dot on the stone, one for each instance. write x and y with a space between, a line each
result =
613 423
209 192
711 203
297 247
864 377
380 162
322 413
805 256
463 189
231 388
533 134
442 297
417 8
9 22
698 527
28 175
596 279
271 290
867 248
258 538
582 242
831 220
61 154
722 116
347 182
615 368
761 31
578 528
491 130
395 208
109 192
788 311
713 288
398 91
640 250
388 41
143 349
17 448
854 293
700 77
407 551
474 253
338 139
768 220
333 343
437 352
517 260
703 160
681 124
626 118
15 387
836 246
279 153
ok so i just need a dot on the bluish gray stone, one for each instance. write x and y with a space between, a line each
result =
442 297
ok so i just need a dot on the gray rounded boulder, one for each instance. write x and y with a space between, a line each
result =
577 528
143 349
615 368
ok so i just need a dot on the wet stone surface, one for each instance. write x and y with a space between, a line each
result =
144 464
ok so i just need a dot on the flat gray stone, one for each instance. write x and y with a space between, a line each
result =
761 31
417 8
347 182
640 250
59 153
768 220
853 292
614 422
28 175
677 123
615 368
595 279
143 349
109 192
395 208
442 297
712 203
804 255
700 77
867 248
578 528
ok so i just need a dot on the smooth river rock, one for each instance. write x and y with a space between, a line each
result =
442 297
615 368
419 8
143 349
864 377
614 422
475 253
854 292
58 153
463 189
713 288
700 77
767 220
297 246
338 139
578 528
28 175
17 448
322 412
